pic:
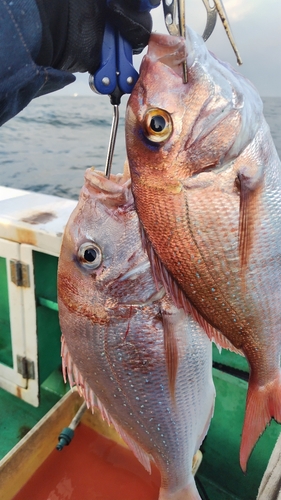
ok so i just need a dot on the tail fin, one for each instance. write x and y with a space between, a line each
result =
263 403
189 492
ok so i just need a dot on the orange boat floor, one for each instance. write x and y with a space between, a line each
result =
92 467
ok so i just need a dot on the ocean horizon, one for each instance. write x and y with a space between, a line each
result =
48 146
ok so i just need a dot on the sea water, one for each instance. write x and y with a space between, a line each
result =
48 146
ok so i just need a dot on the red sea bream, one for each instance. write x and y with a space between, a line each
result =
206 180
146 364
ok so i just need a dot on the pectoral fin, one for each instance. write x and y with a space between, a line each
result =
249 186
171 349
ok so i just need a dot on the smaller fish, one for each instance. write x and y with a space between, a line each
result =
117 328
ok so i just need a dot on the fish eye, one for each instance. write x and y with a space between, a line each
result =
158 125
90 255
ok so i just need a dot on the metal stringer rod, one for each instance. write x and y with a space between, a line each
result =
181 16
112 140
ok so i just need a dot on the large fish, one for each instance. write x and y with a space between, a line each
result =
116 329
206 180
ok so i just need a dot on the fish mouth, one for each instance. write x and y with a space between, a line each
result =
173 51
169 50
114 192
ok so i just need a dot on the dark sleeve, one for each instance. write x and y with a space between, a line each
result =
21 79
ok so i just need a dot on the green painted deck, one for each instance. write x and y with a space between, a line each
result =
18 417
5 336
220 466
49 334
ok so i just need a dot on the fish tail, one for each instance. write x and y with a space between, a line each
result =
189 492
263 403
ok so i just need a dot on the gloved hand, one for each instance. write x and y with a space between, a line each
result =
73 30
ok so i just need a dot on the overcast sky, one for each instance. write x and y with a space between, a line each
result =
256 25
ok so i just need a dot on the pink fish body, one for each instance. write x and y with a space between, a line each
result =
115 323
206 180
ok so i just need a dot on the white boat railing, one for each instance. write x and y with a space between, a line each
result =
28 221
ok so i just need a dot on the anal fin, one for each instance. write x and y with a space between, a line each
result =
75 378
139 453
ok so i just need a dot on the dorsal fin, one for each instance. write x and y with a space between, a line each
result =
180 300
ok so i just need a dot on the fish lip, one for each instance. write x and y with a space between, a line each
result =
112 193
173 51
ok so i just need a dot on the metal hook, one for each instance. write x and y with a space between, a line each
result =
211 20
170 15
222 13
181 12
174 9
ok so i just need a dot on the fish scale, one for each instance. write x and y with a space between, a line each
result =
192 259
117 356
207 189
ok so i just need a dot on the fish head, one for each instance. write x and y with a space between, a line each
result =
101 254
175 130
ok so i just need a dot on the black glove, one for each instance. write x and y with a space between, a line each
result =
73 30
133 25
